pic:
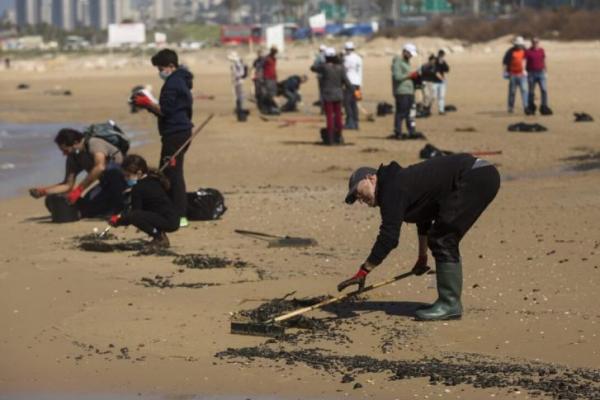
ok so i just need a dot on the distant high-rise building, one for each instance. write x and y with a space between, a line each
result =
28 12
164 9
64 14
46 12
99 13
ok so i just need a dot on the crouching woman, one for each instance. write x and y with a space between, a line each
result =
151 210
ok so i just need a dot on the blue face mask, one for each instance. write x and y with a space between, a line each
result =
164 75
131 182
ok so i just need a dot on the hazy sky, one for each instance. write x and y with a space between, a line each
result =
4 4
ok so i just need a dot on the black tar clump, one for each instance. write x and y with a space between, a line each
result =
164 282
203 261
276 307
538 379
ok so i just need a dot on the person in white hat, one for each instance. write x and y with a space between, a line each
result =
353 64
239 72
320 60
403 90
514 70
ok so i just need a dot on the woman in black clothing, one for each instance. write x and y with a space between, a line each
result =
151 209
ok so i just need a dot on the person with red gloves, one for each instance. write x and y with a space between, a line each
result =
174 115
443 196
101 161
151 209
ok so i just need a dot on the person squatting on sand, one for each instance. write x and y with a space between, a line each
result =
151 210
334 84
403 89
444 196
101 160
290 89
174 114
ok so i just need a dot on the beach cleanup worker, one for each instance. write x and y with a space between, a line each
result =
443 196
290 89
174 114
404 90
258 79
334 83
439 85
428 76
151 209
101 160
514 63
238 72
319 60
270 82
535 58
353 64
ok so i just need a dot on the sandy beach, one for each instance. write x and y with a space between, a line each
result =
77 322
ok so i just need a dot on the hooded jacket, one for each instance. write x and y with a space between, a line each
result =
176 103
413 195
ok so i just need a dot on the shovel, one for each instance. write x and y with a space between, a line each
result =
272 327
279 241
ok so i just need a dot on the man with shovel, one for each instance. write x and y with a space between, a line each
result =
444 196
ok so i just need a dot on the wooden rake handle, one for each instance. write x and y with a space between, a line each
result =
180 149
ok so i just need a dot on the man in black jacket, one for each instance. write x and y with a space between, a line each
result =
174 113
290 89
444 196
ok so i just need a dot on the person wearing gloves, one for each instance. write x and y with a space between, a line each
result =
443 196
334 83
353 64
404 90
238 73
101 161
174 114
151 210
320 60
290 89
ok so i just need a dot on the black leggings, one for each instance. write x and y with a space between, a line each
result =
459 211
151 223
170 144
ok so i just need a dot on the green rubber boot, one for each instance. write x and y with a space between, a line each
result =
449 286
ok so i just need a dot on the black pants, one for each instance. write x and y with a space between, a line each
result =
107 198
351 108
404 103
151 223
174 172
292 97
459 211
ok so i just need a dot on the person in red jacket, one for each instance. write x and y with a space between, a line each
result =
536 74
270 82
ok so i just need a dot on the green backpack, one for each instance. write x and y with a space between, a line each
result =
109 132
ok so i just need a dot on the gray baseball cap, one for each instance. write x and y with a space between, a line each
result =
355 178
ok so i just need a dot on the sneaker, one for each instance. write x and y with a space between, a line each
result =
160 241
183 222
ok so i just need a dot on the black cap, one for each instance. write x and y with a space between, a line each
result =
355 178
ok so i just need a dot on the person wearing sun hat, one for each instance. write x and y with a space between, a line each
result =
403 89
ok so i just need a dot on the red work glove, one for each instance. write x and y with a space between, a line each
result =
36 193
358 279
75 194
114 220
141 100
421 265
414 75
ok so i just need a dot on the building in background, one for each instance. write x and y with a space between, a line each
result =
28 12
64 14
164 9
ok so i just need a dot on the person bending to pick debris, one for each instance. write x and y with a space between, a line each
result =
404 90
174 113
444 196
334 83
290 89
101 161
151 211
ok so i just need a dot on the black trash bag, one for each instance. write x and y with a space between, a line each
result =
525 127
384 109
583 117
60 209
422 111
450 108
545 110
205 205
430 151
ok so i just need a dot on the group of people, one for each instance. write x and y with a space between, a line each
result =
525 69
122 188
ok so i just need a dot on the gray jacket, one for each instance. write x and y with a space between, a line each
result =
333 81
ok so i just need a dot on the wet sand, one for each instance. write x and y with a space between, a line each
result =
77 321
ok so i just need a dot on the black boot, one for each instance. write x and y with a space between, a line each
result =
449 286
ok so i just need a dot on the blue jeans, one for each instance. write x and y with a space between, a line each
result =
513 82
439 90
540 79
351 108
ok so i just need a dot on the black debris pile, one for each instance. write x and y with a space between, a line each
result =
164 282
22 86
430 151
525 127
583 117
404 136
450 108
478 371
465 129
384 108
155 251
102 246
203 261
422 111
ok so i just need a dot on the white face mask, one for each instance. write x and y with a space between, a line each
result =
164 75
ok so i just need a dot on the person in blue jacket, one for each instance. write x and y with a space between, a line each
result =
174 113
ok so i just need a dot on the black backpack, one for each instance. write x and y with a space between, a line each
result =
205 205
109 132
60 209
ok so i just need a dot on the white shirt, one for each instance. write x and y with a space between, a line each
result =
353 65
237 72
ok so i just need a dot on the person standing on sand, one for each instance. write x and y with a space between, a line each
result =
514 71
439 87
101 160
258 78
536 74
444 196
238 73
353 64
404 90
334 83
270 82
174 114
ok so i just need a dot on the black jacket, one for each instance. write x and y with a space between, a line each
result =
333 81
176 103
413 194
149 195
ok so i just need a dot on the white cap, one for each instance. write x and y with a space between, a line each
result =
233 56
322 47
410 48
330 52
519 41
349 46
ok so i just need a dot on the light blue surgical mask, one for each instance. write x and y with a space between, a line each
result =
164 75
131 182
